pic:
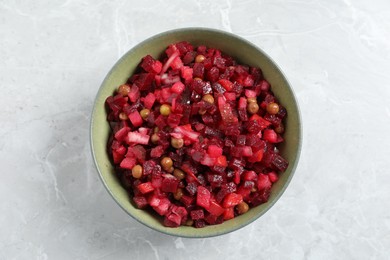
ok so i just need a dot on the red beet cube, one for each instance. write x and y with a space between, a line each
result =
157 151
163 206
231 200
128 163
145 187
140 201
203 197
187 200
121 134
263 182
198 70
214 151
214 208
270 136
228 213
197 214
178 87
221 161
169 183
135 118
226 84
149 100
273 176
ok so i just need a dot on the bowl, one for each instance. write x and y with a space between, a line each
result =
245 53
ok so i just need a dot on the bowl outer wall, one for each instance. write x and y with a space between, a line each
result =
245 53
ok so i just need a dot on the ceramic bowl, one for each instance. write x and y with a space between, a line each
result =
245 53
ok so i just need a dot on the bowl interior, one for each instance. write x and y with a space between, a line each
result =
245 53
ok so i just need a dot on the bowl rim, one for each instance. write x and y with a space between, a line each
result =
210 30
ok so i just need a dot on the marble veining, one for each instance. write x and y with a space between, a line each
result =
53 57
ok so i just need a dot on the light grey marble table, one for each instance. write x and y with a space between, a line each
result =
53 58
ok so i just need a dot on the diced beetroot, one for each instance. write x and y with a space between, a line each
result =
157 180
121 134
249 175
149 166
226 111
230 96
135 118
203 197
279 163
246 151
176 63
186 73
160 121
137 138
178 87
270 136
199 223
207 160
214 151
190 171
175 216
240 151
172 220
197 214
144 81
138 152
157 151
214 208
248 81
231 200
128 163
273 176
163 206
221 161
171 50
149 100
213 74
189 57
256 157
242 110
154 200
145 187
213 220
237 176
118 154
192 188
134 93
228 213
116 103
169 183
263 182
250 93
173 120
140 201
261 121
178 210
198 70
151 65
264 85
187 200
226 84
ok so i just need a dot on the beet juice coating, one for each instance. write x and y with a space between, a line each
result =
194 136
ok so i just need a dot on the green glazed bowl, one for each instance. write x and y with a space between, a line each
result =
245 53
